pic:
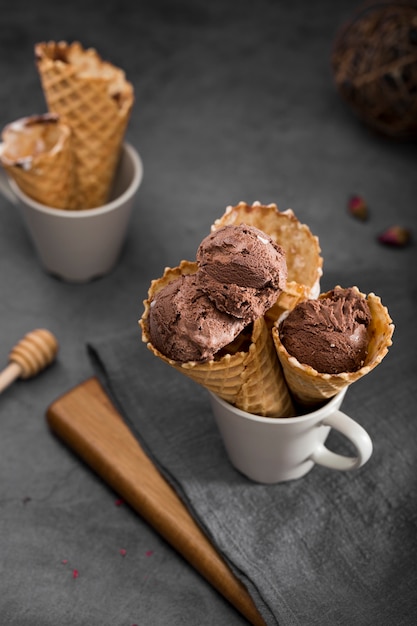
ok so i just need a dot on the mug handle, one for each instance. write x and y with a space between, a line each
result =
5 188
356 435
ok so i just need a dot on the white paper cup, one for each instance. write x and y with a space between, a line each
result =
273 450
78 246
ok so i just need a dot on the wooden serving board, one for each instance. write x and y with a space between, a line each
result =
86 420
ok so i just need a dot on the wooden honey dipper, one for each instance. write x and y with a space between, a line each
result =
30 356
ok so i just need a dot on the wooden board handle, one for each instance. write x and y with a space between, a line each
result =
86 420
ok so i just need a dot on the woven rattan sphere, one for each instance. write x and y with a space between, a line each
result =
374 62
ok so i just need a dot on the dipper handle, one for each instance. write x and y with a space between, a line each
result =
30 356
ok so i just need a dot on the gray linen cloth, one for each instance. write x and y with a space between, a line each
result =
331 548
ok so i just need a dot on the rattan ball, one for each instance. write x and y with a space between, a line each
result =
374 63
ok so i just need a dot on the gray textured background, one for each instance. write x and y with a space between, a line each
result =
234 101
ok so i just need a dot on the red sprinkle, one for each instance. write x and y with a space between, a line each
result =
119 502
75 573
395 236
149 552
122 551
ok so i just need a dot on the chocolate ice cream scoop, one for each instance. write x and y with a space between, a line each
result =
242 270
329 334
184 325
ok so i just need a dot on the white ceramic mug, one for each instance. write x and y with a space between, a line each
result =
79 246
273 450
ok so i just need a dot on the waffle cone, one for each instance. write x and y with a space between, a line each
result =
302 249
287 300
310 387
37 154
94 98
246 373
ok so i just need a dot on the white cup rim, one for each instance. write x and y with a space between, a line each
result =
328 407
80 214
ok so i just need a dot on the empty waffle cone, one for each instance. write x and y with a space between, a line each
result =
246 373
310 387
37 154
94 98
302 249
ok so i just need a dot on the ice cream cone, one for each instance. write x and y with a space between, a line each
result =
304 261
287 300
246 373
37 154
310 387
94 98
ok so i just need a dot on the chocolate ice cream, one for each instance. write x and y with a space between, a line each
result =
329 334
240 274
242 270
184 324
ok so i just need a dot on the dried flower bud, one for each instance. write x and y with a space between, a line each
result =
395 236
358 208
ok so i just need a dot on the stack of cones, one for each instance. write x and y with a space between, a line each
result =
91 102
37 154
94 98
255 373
